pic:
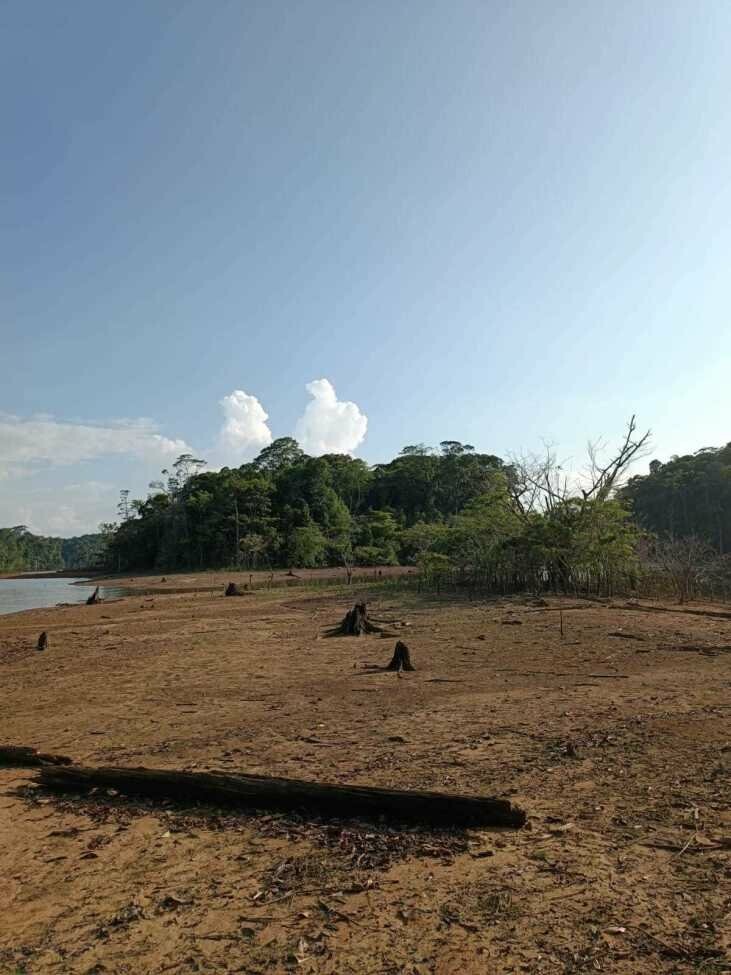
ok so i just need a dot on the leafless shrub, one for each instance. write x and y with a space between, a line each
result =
688 563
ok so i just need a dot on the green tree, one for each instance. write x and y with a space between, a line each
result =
306 546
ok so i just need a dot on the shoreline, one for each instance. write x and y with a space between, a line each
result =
594 730
78 574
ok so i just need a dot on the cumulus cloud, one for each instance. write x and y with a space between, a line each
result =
38 441
245 430
329 425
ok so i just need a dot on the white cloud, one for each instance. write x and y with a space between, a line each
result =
40 441
329 425
245 430
72 509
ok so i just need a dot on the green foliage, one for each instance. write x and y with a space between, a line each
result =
376 536
306 546
84 551
690 496
448 511
420 539
22 551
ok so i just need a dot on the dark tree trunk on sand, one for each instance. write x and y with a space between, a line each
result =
233 590
263 792
356 623
94 598
401 659
20 756
42 641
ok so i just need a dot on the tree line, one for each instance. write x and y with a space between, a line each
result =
689 496
22 551
454 512
459 515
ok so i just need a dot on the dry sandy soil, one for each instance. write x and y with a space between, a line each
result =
614 737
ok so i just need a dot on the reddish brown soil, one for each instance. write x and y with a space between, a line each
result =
615 740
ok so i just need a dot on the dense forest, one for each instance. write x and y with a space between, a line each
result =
22 551
687 496
85 551
450 510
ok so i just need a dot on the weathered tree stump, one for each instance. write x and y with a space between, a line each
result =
94 598
42 641
401 659
356 622
232 589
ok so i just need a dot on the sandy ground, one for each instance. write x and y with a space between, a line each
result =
615 737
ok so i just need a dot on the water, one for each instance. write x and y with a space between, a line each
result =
18 594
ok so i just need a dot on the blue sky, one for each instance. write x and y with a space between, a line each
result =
492 222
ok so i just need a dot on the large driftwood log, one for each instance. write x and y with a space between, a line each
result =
20 756
263 792
94 598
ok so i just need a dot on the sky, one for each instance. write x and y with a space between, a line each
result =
366 224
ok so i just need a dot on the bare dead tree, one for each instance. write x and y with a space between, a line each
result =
542 484
607 477
348 558
686 562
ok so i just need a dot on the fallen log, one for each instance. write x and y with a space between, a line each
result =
20 756
264 792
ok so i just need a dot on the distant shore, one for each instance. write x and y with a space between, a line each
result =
53 574
213 578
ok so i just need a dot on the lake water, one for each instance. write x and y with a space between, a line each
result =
18 594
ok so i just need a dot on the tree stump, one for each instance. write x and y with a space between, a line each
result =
94 598
356 623
42 641
401 659
233 590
